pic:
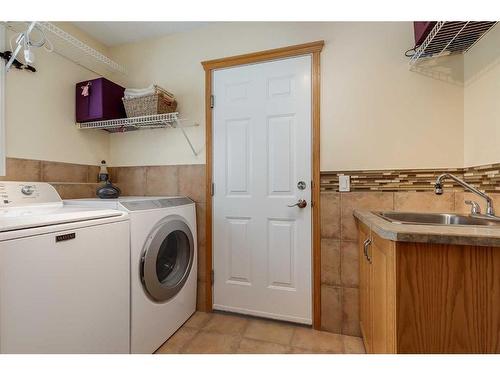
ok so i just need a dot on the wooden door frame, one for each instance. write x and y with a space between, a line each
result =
313 49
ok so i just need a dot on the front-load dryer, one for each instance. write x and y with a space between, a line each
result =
163 249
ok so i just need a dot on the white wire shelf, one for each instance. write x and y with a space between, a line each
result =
164 120
67 46
451 37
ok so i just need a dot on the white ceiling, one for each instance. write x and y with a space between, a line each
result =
116 33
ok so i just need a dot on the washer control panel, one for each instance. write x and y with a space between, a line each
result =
14 194
28 189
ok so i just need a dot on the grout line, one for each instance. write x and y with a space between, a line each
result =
341 289
146 178
341 260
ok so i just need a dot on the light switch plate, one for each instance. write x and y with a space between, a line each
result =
344 183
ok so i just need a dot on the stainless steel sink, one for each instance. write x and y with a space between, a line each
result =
435 219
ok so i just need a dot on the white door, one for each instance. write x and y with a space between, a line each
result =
261 166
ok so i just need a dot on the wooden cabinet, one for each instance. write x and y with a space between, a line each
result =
365 319
427 297
377 292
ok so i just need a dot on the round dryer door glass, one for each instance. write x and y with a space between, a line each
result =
173 258
167 259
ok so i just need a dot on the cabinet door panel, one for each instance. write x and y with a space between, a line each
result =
382 292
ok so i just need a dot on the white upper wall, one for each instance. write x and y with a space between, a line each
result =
482 101
40 112
375 113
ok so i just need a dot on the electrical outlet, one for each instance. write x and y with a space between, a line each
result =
344 183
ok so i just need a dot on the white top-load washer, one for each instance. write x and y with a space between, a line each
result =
64 274
163 248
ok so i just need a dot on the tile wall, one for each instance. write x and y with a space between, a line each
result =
70 180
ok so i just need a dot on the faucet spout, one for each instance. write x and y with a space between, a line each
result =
438 189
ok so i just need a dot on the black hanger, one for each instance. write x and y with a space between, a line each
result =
16 64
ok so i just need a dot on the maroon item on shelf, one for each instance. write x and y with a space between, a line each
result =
99 99
421 30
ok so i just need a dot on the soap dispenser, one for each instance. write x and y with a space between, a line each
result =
107 190
103 172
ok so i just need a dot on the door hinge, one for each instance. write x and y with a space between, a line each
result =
212 277
212 189
212 101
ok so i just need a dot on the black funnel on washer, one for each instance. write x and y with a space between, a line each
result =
108 191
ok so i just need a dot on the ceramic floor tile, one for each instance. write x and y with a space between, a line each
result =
306 338
275 332
353 345
177 341
229 334
198 320
212 342
295 350
226 324
248 346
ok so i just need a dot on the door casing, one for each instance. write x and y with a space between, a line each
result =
314 50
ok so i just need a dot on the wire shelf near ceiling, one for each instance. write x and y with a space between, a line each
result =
73 49
451 37
164 120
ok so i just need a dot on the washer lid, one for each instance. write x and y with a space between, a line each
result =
26 205
40 216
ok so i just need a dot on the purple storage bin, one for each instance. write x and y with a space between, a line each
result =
99 99
421 29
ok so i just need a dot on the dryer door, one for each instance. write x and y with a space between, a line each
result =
167 259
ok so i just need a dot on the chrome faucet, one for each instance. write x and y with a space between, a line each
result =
438 189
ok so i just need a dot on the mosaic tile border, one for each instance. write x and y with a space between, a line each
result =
484 177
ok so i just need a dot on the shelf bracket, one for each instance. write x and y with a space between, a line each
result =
178 125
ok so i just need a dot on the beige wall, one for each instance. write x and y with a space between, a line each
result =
375 113
40 113
482 101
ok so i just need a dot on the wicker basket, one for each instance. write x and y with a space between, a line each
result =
154 104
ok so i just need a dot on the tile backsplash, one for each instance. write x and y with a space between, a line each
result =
485 177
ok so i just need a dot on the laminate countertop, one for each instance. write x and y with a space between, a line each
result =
439 234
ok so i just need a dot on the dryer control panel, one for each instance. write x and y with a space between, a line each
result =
151 204
16 194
